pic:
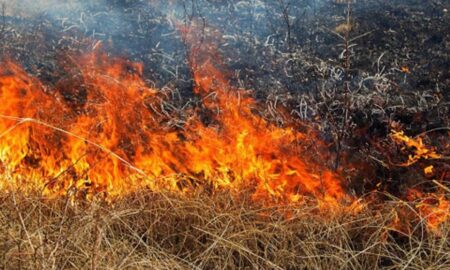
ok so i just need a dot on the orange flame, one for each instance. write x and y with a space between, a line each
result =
433 208
101 134
421 151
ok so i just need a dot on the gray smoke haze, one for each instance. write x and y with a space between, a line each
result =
103 16
144 30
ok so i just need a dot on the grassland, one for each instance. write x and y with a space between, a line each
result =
165 231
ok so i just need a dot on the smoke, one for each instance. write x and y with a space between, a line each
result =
32 8
103 16
145 30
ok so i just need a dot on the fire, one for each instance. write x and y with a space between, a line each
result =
428 170
421 151
102 133
433 208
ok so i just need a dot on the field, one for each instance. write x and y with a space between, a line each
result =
200 134
157 231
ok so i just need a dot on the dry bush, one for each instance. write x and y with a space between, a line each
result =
163 231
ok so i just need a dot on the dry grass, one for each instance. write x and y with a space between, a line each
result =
160 231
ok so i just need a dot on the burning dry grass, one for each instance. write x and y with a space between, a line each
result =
162 231
68 137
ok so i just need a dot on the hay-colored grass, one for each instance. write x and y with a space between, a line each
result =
162 231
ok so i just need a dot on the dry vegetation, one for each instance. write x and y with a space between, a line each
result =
354 100
161 231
